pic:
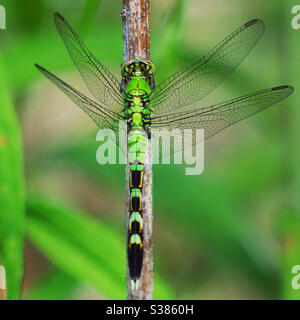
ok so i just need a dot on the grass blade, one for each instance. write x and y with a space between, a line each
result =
11 192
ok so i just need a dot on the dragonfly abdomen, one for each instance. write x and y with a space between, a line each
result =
136 151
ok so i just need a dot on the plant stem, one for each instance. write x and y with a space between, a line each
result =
136 43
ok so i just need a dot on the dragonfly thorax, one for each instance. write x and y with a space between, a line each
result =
137 77
137 110
137 86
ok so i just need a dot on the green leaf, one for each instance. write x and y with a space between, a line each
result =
11 191
82 247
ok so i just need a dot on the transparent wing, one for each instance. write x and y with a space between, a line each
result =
101 82
200 78
220 116
102 116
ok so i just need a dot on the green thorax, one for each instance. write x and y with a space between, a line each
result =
137 85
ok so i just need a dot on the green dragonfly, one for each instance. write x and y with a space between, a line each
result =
143 106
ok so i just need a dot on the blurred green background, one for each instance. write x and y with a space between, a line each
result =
231 233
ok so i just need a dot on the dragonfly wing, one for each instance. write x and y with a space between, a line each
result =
103 116
196 80
101 82
220 116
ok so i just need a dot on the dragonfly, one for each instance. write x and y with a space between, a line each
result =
136 100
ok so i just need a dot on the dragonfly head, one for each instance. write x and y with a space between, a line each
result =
138 68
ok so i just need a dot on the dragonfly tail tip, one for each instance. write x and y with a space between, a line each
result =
134 284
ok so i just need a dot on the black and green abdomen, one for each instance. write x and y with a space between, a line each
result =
136 151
